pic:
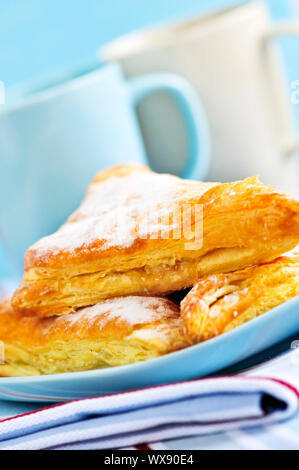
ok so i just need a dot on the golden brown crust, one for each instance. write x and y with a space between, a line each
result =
123 239
221 302
114 332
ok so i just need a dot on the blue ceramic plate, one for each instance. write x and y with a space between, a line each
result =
195 361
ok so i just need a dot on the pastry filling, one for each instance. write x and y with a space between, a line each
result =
74 356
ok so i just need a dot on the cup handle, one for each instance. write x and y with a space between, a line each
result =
194 115
286 28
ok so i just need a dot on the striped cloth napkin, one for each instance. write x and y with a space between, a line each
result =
198 407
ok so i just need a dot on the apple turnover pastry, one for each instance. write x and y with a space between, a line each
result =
111 333
221 302
142 233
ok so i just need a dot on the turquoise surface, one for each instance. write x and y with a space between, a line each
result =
39 39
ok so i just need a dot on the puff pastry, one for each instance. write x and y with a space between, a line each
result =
128 237
221 302
111 333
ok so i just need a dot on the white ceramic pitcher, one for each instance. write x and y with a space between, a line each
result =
232 60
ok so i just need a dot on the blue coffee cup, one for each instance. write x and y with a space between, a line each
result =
54 141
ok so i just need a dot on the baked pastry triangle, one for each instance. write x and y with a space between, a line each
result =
111 333
221 302
142 233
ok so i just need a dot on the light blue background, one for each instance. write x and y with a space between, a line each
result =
41 38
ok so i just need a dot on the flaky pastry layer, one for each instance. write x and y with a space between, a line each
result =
221 302
112 333
129 237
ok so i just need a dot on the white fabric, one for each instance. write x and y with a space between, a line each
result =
184 409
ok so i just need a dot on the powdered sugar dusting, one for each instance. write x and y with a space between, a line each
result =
229 300
132 310
113 211
293 253
151 334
